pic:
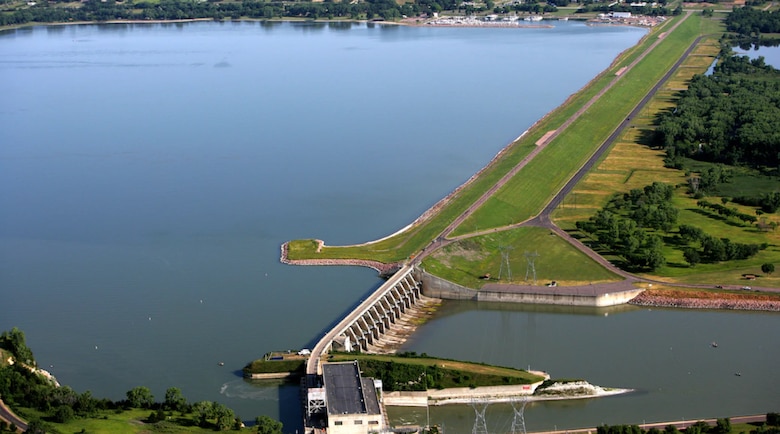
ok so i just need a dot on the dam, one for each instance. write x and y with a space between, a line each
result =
337 399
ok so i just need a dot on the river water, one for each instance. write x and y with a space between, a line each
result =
149 173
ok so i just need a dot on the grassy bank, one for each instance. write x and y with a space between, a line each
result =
420 372
407 243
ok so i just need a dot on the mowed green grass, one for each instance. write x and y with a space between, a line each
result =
125 422
466 261
527 193
475 368
633 165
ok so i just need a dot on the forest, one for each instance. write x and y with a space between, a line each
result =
731 116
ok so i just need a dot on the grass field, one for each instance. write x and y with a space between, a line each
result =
123 422
632 164
452 373
466 261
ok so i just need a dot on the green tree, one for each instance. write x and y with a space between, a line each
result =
722 426
174 400
140 397
205 411
266 425
768 268
63 414
691 256
14 342
223 415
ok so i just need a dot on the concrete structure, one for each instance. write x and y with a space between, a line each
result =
374 317
333 398
339 400
593 295
352 401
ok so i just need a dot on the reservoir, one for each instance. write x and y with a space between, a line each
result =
149 174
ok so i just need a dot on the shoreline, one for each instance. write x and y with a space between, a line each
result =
654 298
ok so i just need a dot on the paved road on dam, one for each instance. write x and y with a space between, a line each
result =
543 219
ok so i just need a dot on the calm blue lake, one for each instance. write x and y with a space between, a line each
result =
149 174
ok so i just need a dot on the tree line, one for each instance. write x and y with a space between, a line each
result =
97 10
22 387
722 426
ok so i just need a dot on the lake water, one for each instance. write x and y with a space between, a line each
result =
149 173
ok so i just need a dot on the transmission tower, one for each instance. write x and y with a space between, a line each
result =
505 262
531 268
480 423
518 422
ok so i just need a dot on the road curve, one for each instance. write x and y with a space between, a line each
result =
10 417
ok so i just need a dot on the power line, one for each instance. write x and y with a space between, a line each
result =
531 267
505 264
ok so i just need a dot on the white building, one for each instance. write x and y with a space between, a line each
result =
352 401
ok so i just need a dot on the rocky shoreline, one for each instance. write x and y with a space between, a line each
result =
705 300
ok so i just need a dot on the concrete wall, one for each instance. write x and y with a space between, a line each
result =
354 423
458 395
437 287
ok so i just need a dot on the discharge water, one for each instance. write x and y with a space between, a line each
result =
149 173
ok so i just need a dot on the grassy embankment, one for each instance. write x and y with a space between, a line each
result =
533 187
632 164
131 421
448 373
403 245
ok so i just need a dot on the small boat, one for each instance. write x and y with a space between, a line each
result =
714 344
738 374
221 363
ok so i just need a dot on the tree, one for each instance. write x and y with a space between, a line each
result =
266 425
223 415
35 426
768 268
63 414
140 397
13 341
205 411
174 400
722 426
691 256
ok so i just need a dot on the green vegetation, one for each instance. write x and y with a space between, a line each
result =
721 426
97 10
528 192
730 117
277 363
53 409
633 163
13 341
409 371
472 262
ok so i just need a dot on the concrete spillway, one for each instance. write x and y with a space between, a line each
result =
372 319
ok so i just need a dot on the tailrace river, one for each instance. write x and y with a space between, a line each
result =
149 173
